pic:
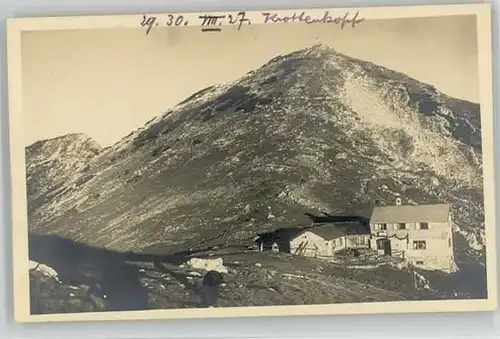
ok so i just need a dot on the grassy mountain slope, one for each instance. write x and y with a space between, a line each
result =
308 132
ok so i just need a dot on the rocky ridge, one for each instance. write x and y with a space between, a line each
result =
308 132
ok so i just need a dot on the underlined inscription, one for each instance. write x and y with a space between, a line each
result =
211 23
215 22
208 22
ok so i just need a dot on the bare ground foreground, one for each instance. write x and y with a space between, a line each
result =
92 279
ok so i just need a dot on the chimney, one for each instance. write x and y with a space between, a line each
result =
398 201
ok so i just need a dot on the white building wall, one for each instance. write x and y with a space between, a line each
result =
437 239
311 245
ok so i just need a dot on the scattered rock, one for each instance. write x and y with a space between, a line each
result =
207 264
290 276
399 265
269 214
43 269
258 264
283 194
341 156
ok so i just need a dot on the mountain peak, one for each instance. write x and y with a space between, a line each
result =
300 122
66 139
320 47
54 161
320 50
63 144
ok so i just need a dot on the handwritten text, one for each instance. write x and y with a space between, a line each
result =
343 20
208 22
169 20
215 22
212 23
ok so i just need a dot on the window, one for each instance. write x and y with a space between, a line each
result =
424 226
419 245
360 240
449 242
419 262
382 226
400 226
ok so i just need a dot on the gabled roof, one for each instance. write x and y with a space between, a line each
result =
334 230
410 213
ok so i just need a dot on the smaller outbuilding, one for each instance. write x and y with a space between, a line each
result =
325 239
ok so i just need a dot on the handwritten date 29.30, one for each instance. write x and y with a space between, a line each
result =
170 20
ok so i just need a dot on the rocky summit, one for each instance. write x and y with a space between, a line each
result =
51 163
308 132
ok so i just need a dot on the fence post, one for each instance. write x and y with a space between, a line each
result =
414 277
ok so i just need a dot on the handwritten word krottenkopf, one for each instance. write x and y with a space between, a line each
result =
344 20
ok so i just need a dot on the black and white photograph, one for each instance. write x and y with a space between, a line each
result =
252 161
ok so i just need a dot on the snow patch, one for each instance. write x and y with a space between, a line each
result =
291 276
43 269
207 264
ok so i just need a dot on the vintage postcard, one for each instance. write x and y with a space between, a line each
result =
187 165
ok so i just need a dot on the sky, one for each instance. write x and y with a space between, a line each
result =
106 83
